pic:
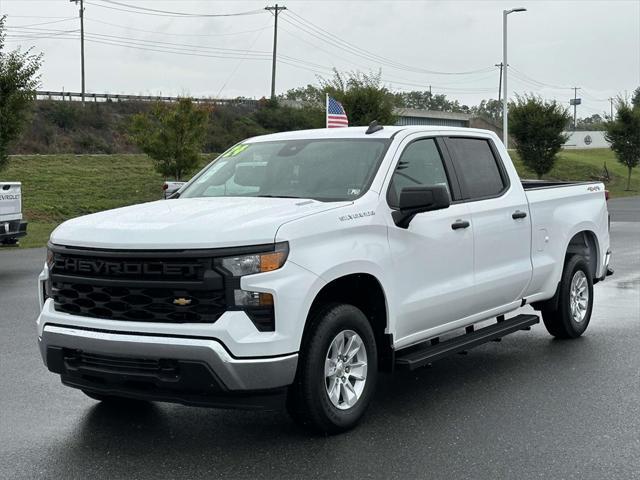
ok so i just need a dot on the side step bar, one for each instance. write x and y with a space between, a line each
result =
419 357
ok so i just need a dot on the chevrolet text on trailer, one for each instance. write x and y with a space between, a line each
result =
299 265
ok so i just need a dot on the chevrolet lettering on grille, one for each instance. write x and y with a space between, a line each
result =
72 265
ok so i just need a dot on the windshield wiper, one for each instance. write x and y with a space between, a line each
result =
277 196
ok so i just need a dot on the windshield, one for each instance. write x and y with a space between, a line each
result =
326 170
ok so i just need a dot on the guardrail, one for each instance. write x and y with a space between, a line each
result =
116 97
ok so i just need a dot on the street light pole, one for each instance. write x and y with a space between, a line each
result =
505 100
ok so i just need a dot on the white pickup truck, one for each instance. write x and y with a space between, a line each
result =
297 266
12 226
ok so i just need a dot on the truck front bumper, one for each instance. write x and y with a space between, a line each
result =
192 371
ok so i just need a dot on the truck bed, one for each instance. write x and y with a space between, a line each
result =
537 184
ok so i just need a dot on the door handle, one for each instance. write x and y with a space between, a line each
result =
460 224
518 214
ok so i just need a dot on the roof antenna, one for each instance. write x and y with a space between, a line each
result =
373 128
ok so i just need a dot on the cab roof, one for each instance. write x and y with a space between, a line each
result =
359 132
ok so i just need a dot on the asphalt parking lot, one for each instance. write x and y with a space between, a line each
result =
527 407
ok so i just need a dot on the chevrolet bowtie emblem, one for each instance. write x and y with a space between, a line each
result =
182 302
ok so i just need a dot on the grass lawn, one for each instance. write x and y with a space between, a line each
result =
58 187
588 165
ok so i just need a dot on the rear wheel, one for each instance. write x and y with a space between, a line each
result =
337 371
570 315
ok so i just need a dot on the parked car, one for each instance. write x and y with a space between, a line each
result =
12 226
297 266
169 188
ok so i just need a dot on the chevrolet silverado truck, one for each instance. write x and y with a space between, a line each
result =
297 266
12 226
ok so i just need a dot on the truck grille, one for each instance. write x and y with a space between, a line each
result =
138 304
137 286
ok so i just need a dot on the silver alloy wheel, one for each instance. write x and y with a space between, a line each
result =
345 369
579 296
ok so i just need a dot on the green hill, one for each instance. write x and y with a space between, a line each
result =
58 187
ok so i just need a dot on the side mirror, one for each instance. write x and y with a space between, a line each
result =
414 200
169 188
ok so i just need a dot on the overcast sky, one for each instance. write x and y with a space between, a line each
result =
553 46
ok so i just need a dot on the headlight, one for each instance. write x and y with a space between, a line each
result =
257 262
49 260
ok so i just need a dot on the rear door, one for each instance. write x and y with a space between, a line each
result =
433 262
500 218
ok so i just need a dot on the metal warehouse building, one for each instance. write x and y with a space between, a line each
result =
411 116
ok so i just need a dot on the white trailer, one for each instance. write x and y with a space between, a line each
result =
12 226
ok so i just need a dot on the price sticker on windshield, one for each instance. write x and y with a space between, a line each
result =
238 149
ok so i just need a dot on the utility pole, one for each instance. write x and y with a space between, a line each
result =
276 11
611 104
81 43
575 102
499 81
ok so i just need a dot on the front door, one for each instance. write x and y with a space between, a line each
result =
433 257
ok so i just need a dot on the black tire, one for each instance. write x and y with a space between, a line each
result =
308 401
114 400
557 316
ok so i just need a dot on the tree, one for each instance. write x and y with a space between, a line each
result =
490 109
425 100
594 122
635 99
172 135
537 127
19 79
275 116
362 95
623 133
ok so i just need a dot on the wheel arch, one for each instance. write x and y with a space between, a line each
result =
364 291
585 243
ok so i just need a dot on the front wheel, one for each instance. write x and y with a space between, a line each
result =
570 315
337 371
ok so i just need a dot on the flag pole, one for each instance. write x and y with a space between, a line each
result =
326 110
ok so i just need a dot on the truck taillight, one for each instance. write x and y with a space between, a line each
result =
165 186
606 195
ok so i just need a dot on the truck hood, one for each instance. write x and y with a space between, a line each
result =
188 223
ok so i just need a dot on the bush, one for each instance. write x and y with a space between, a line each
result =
172 135
537 127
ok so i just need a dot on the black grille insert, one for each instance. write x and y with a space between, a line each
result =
139 304
139 287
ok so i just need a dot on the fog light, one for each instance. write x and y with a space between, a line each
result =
244 298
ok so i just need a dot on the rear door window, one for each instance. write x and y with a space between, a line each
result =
478 170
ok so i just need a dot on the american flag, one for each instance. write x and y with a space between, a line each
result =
336 116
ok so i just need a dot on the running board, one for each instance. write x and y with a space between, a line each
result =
418 357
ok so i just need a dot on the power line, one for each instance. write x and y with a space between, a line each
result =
177 34
157 13
231 75
370 55
47 23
